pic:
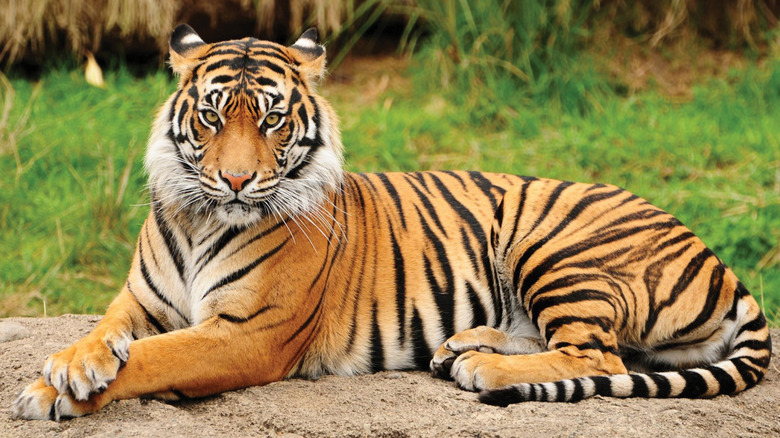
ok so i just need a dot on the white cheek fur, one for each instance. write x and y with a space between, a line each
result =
177 187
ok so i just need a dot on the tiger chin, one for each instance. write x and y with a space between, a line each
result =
262 259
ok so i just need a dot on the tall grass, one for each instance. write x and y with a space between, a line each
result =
71 199
526 51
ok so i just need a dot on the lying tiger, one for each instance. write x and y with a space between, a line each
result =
263 259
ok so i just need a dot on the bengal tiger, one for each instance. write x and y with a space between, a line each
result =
262 259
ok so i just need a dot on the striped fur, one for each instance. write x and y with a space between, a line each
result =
262 259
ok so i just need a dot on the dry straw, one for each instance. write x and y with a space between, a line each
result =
29 27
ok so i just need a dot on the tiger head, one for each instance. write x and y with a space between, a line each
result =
244 136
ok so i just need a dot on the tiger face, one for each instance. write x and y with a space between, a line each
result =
244 136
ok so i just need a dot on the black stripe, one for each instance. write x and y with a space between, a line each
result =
221 79
226 237
594 344
240 273
303 115
640 388
150 284
487 188
271 66
445 303
532 392
149 317
543 392
710 304
726 383
603 385
753 326
422 352
226 50
663 387
400 285
540 304
759 362
560 391
260 44
393 193
242 319
377 351
564 222
695 385
295 97
477 309
264 81
261 234
426 202
476 230
748 373
182 113
556 323
752 344
641 216
683 281
444 296
519 215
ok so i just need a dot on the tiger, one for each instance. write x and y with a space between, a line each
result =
263 259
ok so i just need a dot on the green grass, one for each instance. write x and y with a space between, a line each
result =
72 193
72 198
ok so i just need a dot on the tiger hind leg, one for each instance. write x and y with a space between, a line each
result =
575 350
482 339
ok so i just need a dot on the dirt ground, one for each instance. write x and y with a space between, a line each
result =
388 404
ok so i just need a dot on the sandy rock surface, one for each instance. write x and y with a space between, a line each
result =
389 404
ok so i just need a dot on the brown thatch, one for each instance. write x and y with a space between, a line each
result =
30 27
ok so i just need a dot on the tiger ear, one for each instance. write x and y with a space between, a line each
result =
310 55
186 49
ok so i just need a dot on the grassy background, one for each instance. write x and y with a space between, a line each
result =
523 90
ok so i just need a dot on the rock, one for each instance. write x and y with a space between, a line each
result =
12 331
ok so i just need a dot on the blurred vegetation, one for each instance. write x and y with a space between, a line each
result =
535 87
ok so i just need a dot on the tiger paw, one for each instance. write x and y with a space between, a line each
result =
88 366
483 339
477 371
43 402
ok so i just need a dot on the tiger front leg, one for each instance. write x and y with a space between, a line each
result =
483 339
215 356
89 365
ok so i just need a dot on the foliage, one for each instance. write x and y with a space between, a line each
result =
523 50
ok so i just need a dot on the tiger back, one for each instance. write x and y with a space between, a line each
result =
263 259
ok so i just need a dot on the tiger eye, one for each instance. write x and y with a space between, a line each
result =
271 120
211 116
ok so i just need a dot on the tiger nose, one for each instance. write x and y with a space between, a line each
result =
236 181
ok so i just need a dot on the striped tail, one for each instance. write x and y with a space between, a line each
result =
746 365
